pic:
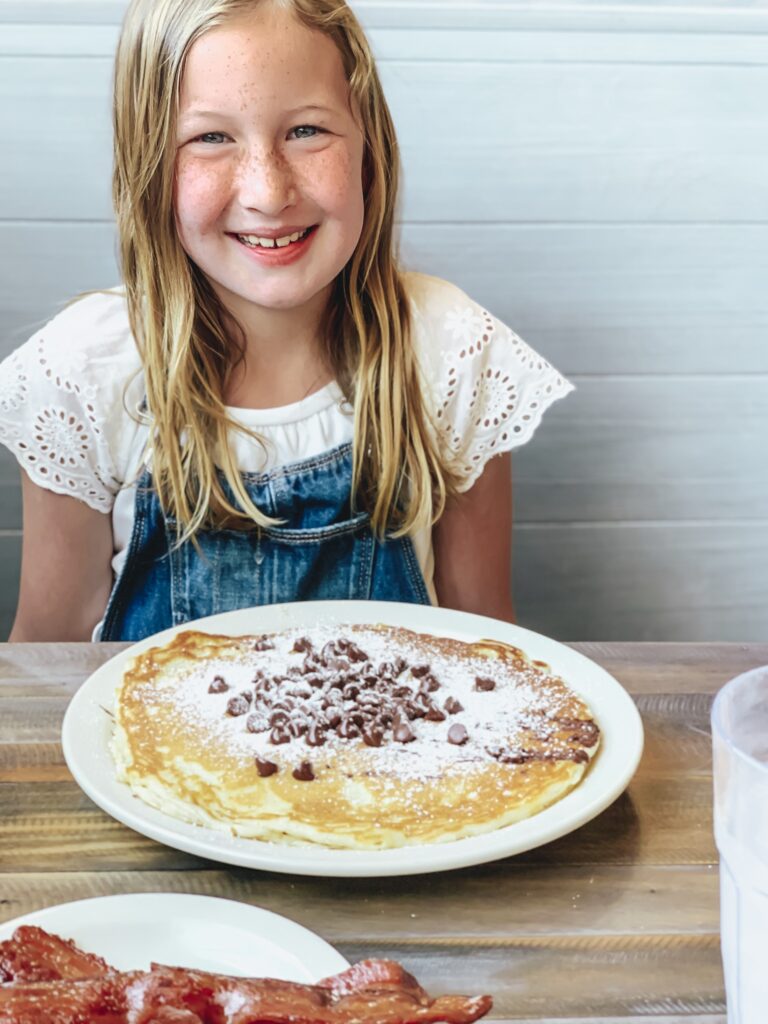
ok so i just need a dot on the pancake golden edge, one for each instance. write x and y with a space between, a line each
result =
530 738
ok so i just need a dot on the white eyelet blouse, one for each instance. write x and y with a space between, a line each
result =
69 398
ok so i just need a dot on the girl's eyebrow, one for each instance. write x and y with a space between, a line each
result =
189 115
310 106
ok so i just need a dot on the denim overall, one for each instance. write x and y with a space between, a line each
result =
322 552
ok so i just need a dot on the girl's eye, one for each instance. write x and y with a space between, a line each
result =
305 131
212 138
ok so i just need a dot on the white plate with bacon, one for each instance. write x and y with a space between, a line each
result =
95 960
131 931
88 729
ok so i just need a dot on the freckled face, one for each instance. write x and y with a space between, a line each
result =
267 147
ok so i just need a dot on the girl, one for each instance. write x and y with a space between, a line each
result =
270 409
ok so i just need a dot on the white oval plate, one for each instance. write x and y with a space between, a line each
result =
131 931
86 733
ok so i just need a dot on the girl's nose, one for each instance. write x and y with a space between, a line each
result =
266 183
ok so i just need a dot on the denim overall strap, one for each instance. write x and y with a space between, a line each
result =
322 550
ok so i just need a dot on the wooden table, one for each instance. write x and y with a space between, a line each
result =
615 922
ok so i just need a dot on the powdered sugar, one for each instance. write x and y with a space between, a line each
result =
288 691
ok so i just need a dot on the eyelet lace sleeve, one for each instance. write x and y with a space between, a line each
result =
489 388
60 409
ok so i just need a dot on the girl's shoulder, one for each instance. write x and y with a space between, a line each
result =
69 398
90 332
486 388
432 297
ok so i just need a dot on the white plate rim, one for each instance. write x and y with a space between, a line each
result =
609 774
71 920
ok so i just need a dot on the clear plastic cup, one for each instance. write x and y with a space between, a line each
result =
740 769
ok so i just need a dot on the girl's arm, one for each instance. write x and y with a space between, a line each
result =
66 571
473 546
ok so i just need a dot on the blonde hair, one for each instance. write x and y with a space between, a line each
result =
178 321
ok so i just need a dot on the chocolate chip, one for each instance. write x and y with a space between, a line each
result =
333 718
386 668
402 732
347 729
283 705
218 685
435 714
429 684
265 768
263 644
452 706
315 736
279 717
484 683
302 644
351 691
280 734
338 665
237 705
257 723
420 670
355 653
457 734
414 709
369 700
399 665
372 736
329 651
302 692
304 772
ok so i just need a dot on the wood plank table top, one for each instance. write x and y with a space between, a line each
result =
617 921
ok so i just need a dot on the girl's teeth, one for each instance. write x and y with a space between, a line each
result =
272 243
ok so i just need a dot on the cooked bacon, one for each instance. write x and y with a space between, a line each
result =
84 1001
377 974
32 954
375 991
370 992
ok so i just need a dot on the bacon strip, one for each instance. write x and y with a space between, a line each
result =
370 992
394 997
33 954
83 1001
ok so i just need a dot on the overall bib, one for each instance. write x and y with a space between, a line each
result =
322 552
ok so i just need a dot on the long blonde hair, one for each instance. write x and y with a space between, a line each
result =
178 321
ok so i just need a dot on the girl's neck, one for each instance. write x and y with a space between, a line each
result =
285 358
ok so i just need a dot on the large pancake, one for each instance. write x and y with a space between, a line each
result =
352 736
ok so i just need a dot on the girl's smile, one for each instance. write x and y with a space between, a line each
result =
268 189
278 247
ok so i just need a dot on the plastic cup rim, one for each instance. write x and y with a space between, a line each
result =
717 724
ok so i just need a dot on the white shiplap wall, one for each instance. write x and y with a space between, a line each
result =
597 175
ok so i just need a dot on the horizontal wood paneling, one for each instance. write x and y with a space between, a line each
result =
553 142
705 16
446 44
661 581
647 280
595 299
